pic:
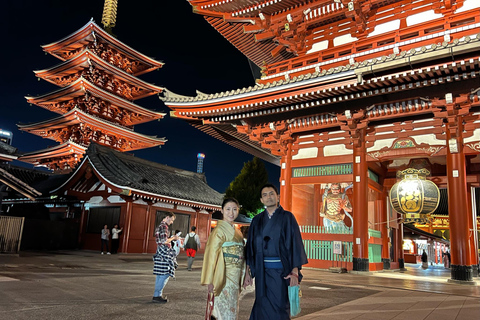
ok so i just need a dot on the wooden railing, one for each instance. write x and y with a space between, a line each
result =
11 229
323 250
319 240
326 230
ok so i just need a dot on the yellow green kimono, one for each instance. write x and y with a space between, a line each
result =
223 266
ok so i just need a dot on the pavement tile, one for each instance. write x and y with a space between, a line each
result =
445 313
379 315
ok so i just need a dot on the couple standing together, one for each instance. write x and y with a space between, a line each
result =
272 257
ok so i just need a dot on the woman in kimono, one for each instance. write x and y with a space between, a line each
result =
224 263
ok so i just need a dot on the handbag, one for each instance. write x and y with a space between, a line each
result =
210 303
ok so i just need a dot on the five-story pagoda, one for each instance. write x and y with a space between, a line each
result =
98 86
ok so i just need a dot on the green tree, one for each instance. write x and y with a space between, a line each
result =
246 187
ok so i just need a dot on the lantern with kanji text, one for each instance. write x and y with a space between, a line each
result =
414 196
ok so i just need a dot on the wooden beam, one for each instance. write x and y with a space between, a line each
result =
277 50
266 35
253 28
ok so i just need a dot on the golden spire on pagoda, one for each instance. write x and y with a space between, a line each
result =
109 16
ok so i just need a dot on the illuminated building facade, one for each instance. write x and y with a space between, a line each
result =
352 92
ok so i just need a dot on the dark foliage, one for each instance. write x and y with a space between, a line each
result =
246 187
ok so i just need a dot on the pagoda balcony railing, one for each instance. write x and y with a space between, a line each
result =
375 47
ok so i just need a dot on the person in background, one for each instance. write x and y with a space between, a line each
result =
165 259
424 260
224 263
274 255
115 240
191 245
105 237
177 244
446 259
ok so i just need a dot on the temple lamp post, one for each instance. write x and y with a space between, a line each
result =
414 196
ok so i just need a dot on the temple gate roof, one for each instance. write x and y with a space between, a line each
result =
144 179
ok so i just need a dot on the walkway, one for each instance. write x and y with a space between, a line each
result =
411 295
87 285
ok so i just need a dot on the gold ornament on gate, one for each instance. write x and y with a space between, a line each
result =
414 196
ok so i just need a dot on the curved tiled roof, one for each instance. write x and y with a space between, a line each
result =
316 76
88 33
142 176
39 181
8 149
76 116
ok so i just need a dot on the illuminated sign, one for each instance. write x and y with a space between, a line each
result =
5 133
6 136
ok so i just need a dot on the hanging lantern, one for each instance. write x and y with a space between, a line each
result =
414 196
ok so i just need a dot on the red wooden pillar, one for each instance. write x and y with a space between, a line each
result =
360 203
472 225
316 203
148 220
128 225
452 110
194 220
286 180
384 228
461 264
82 228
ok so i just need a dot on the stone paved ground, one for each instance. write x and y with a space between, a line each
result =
87 285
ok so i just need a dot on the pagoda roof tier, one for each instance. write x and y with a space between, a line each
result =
69 71
60 157
287 34
63 100
332 86
82 128
129 175
91 34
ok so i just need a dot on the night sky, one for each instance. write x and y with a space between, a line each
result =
196 57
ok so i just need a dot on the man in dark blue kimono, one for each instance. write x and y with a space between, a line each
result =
274 256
